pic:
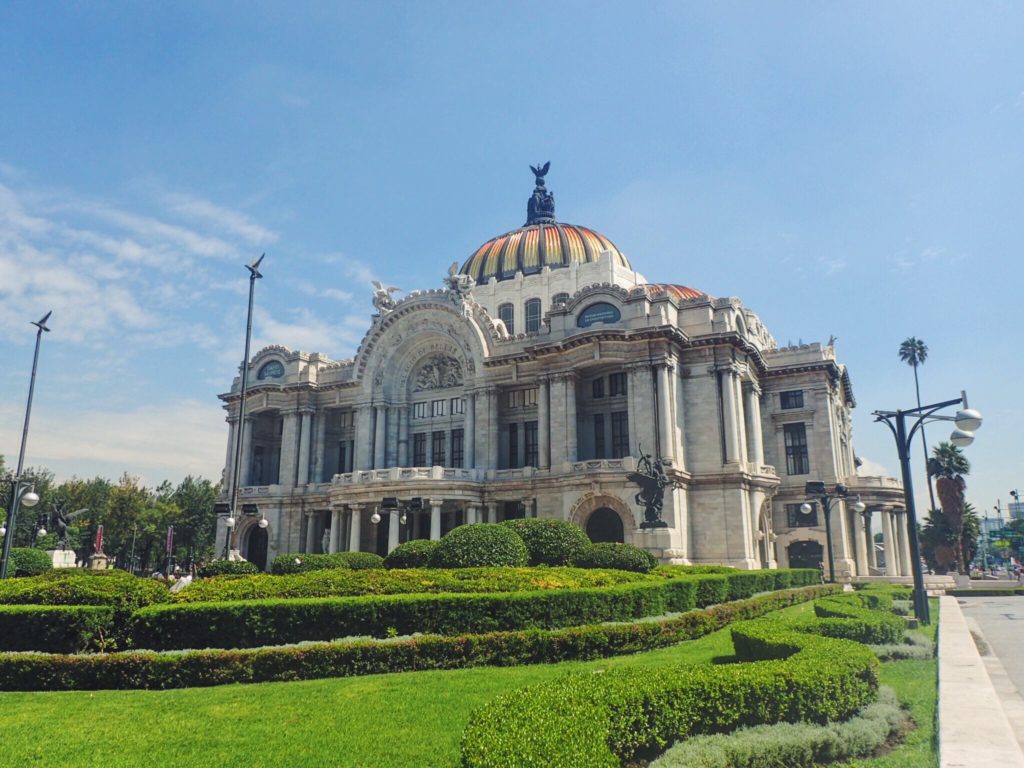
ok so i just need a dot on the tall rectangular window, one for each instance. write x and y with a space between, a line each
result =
342 463
599 445
458 405
419 449
616 384
620 434
419 410
437 408
532 315
797 519
797 461
597 388
530 447
793 399
513 446
437 449
506 313
458 451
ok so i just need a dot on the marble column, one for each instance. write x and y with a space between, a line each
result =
403 436
304 437
860 543
741 419
888 541
319 448
229 461
543 425
870 540
435 519
668 442
355 527
755 438
311 520
492 511
570 418
904 536
493 432
363 443
394 529
245 470
729 409
332 545
471 514
289 449
469 432
380 437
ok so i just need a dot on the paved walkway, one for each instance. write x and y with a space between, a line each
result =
974 730
997 624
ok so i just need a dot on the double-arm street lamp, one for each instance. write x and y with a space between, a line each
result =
22 492
967 422
818 492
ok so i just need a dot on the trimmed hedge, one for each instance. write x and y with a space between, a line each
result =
347 583
549 541
301 563
227 568
741 584
275 622
479 544
28 562
146 669
986 592
845 617
604 720
78 586
411 554
624 557
55 629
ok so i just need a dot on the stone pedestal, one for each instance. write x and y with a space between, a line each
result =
62 558
99 562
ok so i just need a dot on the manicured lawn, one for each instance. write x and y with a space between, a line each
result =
413 719
409 720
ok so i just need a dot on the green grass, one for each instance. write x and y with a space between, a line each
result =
916 686
408 720
412 719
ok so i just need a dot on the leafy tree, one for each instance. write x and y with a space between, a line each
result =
195 496
914 352
970 534
938 543
949 465
42 480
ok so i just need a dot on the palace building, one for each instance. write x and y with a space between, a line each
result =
531 384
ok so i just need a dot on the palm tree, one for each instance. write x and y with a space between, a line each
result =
914 352
948 466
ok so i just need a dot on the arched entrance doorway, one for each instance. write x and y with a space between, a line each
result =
804 554
605 525
256 547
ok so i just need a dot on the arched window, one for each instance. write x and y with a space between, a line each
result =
506 312
559 298
272 370
532 315
605 525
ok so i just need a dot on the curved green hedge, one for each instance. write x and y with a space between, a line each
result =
26 561
274 622
227 568
54 628
603 720
302 563
625 557
77 586
176 669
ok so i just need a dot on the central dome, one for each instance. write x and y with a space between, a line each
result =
541 242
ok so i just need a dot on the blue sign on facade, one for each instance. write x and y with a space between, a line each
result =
602 312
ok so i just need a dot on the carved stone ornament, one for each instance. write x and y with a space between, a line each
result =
438 372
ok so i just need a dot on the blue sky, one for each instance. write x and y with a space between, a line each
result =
847 169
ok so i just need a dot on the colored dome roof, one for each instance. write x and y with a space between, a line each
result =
676 291
541 242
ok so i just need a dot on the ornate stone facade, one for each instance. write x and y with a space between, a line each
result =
529 389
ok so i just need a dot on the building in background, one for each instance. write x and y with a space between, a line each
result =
528 385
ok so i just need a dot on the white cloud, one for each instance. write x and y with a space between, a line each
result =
869 468
223 218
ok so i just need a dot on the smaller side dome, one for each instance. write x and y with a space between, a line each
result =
678 292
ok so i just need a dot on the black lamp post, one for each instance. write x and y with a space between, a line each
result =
21 492
818 491
231 532
967 421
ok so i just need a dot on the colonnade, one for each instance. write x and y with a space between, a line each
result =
895 542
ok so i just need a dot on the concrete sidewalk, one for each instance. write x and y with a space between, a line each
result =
974 731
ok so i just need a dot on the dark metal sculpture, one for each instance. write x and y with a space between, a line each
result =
540 208
61 521
653 481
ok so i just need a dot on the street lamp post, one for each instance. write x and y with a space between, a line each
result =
231 532
818 491
20 491
967 422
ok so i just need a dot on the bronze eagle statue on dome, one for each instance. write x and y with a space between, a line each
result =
540 173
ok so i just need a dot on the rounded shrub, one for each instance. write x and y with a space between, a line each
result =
227 568
624 557
29 562
411 554
550 542
80 586
479 544
304 563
